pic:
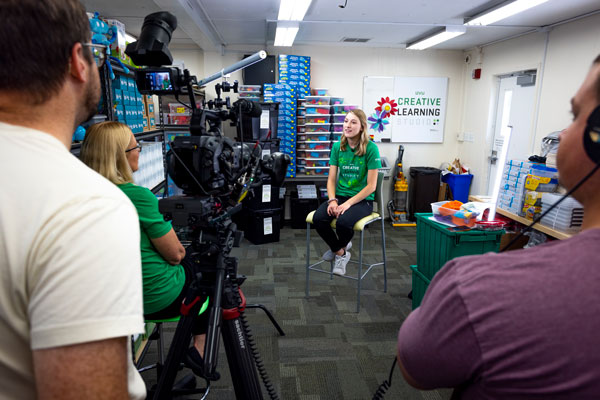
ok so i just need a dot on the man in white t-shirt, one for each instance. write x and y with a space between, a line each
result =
70 269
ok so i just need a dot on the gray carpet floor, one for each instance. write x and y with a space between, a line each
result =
329 351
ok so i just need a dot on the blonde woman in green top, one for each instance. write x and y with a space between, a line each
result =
356 158
110 148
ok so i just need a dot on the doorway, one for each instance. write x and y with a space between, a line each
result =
512 126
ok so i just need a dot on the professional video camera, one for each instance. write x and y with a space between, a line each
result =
215 174
205 164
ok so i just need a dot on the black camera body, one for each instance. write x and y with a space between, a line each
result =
206 165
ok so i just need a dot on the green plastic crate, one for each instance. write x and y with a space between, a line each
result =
436 244
419 286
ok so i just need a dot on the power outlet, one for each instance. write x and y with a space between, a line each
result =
469 137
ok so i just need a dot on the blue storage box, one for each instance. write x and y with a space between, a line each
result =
118 96
276 86
294 71
300 85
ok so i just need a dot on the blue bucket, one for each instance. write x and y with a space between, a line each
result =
459 184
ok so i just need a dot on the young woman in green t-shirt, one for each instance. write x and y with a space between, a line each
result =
356 158
110 148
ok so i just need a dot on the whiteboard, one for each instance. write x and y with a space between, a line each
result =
405 109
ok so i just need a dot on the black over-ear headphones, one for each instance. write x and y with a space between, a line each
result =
591 136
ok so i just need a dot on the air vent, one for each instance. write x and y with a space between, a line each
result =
355 40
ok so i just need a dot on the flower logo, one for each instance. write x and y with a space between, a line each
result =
378 121
387 107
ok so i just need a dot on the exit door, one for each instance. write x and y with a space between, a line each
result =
513 136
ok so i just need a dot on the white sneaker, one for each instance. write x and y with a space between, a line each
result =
339 267
329 256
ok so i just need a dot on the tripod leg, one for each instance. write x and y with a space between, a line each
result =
176 353
241 364
273 320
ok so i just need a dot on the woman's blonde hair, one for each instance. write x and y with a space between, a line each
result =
363 140
103 150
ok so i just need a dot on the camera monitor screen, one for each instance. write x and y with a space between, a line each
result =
159 81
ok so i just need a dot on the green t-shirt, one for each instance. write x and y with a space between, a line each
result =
162 282
353 169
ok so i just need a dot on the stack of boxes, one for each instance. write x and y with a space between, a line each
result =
512 185
285 95
148 121
542 179
521 187
314 143
178 115
250 92
567 217
323 118
129 105
295 71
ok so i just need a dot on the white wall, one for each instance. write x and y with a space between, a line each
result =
571 49
341 70
193 60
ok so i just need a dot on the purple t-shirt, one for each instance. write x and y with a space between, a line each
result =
518 325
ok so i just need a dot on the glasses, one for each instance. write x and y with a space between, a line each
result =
98 51
134 148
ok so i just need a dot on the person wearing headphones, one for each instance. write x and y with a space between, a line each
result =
522 324
351 194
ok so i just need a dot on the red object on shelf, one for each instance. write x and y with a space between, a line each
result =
490 225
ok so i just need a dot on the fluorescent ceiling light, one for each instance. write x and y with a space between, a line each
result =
284 36
293 10
449 33
504 12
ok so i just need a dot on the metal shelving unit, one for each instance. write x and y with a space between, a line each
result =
108 111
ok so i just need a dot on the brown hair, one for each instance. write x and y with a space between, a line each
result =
364 133
597 61
103 150
37 38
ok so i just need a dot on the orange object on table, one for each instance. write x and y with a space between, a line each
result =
453 205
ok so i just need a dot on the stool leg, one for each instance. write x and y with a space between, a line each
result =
360 261
307 255
331 268
159 343
384 257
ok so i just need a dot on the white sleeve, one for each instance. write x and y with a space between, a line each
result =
84 277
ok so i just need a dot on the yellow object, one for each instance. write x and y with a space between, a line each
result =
532 181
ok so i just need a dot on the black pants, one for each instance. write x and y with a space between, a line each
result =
344 224
173 310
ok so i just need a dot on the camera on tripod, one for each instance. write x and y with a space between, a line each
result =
215 173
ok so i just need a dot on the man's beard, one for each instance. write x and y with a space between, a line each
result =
91 98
